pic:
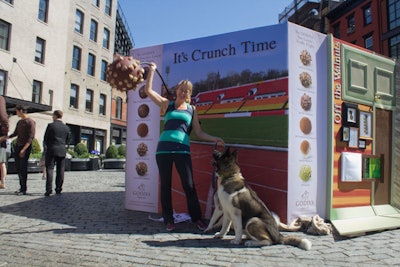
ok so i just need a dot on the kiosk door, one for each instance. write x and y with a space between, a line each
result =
383 146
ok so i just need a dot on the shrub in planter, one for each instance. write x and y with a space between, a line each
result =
81 151
80 158
122 151
112 152
115 157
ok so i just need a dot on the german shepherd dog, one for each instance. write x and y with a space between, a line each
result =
240 206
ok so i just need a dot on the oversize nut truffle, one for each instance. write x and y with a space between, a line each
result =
141 168
142 130
142 149
143 110
305 125
124 73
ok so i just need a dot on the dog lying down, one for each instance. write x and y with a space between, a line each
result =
238 205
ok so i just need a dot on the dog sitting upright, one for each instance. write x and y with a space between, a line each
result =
242 207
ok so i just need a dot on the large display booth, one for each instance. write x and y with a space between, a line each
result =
312 118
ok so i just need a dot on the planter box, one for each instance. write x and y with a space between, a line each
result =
114 164
80 164
32 166
94 164
11 169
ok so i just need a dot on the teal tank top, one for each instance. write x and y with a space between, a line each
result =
175 137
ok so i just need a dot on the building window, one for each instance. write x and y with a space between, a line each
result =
36 91
369 42
395 47
11 2
91 64
76 58
96 2
394 14
43 10
107 8
106 38
73 96
102 104
3 82
350 24
103 75
367 15
336 30
79 17
39 51
118 112
5 35
89 100
93 30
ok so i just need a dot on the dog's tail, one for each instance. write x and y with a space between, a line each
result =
296 241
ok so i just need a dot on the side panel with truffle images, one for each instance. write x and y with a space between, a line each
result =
307 122
143 131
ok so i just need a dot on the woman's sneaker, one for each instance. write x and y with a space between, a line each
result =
170 227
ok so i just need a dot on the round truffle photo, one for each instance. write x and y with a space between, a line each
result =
305 125
305 57
141 168
142 149
305 147
142 93
142 130
143 110
305 79
305 102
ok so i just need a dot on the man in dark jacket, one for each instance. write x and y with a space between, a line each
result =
56 138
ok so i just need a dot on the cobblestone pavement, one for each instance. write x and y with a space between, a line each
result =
87 225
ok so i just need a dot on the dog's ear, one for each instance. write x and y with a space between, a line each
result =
227 152
235 154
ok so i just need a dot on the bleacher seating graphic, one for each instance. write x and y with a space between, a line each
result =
263 96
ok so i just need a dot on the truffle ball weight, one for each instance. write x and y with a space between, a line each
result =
125 73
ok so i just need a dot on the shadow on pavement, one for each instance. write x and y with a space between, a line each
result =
90 213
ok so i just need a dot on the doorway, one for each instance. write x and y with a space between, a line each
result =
383 146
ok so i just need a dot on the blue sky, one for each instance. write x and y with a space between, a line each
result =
154 22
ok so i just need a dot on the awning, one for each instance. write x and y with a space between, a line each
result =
30 106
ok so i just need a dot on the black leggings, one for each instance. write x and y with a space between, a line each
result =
21 165
183 164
